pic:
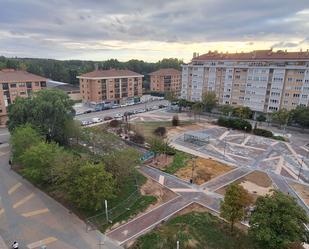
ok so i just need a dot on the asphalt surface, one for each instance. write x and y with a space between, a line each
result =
120 110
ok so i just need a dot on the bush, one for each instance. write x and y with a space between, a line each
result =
175 120
114 123
262 132
238 124
261 118
137 138
160 131
280 138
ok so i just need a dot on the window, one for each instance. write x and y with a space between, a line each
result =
295 95
13 85
22 84
37 84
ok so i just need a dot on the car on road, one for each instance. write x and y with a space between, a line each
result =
87 111
118 115
162 106
108 118
115 106
86 122
97 120
123 105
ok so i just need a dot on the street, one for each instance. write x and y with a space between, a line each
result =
121 110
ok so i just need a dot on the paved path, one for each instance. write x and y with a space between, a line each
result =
31 217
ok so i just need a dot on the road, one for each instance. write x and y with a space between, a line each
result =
121 110
33 218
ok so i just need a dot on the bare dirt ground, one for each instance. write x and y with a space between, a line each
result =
205 170
162 194
161 161
302 190
256 183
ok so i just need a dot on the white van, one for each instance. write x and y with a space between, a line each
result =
96 120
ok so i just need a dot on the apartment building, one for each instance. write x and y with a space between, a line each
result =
112 85
14 83
166 80
263 80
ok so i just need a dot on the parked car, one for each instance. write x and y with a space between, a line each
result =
86 122
123 105
118 115
115 106
88 111
96 120
107 118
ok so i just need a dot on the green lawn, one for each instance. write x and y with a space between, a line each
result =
196 231
179 161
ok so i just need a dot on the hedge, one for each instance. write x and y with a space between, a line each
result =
237 123
262 132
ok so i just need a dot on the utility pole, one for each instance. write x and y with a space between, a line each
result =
177 244
245 132
106 211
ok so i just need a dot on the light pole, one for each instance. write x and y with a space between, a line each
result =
224 146
245 132
177 244
106 211
193 168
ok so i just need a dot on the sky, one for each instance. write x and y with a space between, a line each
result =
149 30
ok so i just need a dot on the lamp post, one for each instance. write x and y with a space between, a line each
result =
245 132
193 168
177 244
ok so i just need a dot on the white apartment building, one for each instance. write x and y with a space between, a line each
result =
263 80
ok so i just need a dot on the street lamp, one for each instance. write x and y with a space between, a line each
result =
245 131
193 168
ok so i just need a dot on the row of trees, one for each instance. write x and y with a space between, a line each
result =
67 71
276 221
298 116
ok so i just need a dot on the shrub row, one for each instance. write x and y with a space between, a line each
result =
238 124
262 132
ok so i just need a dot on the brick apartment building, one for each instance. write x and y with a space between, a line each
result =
166 80
15 83
263 80
111 85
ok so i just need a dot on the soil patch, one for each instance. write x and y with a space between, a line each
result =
161 161
256 183
153 188
204 170
302 190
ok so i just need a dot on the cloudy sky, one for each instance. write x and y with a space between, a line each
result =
149 29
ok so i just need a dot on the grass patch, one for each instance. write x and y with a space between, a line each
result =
196 231
179 161
280 138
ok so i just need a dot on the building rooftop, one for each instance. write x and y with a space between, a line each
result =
67 87
111 73
254 55
166 71
11 76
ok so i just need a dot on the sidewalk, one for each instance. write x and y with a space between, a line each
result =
2 244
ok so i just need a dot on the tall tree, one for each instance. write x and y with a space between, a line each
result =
300 116
197 109
281 117
90 186
278 222
209 101
242 112
47 110
236 201
226 109
22 139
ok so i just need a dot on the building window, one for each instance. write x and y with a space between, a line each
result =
13 85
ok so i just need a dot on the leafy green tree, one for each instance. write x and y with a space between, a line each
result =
47 110
278 221
121 163
90 186
281 117
226 109
38 161
261 118
209 101
236 201
300 116
170 96
22 139
242 112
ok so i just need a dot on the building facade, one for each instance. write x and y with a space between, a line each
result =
112 85
14 83
263 80
166 80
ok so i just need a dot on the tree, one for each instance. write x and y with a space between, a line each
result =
278 221
46 110
226 109
72 130
23 137
261 118
137 138
38 161
160 131
170 96
236 201
121 163
209 101
197 108
175 120
242 112
281 117
90 186
300 116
